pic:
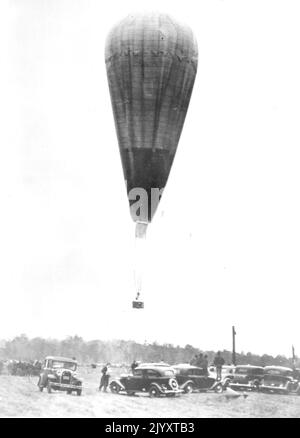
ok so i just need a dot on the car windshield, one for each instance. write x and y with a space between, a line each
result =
137 373
182 371
242 371
67 365
169 373
279 372
197 372
152 373
257 371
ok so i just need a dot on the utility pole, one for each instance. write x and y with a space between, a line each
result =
233 346
293 356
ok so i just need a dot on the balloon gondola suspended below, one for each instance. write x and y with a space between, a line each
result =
151 63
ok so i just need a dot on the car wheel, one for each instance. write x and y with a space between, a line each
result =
69 392
49 388
79 392
154 392
219 388
189 388
115 388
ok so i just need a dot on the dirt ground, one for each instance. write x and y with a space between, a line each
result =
19 397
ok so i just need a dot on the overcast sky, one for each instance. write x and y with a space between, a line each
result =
224 247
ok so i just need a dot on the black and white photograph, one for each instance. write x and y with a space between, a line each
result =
149 211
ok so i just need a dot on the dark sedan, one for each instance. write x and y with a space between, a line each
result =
279 380
245 378
191 378
148 378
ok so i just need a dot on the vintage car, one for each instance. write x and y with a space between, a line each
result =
191 378
279 380
59 373
152 379
244 378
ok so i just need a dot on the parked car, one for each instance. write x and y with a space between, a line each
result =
152 379
191 378
279 380
245 377
59 373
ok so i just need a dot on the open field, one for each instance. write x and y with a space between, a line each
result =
19 397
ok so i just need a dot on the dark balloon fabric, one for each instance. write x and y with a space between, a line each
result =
151 63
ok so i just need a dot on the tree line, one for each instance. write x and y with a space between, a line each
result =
120 352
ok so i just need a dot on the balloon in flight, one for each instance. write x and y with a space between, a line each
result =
151 63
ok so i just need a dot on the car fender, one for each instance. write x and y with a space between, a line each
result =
219 382
224 382
118 382
157 386
291 384
188 382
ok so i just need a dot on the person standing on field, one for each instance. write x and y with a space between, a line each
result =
219 362
194 360
205 364
199 362
134 365
104 379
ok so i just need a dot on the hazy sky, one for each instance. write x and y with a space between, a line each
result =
224 247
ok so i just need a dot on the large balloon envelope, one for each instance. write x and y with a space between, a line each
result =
151 63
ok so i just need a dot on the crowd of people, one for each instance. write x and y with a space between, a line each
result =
201 360
21 367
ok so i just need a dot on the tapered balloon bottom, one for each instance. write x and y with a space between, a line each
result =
146 172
